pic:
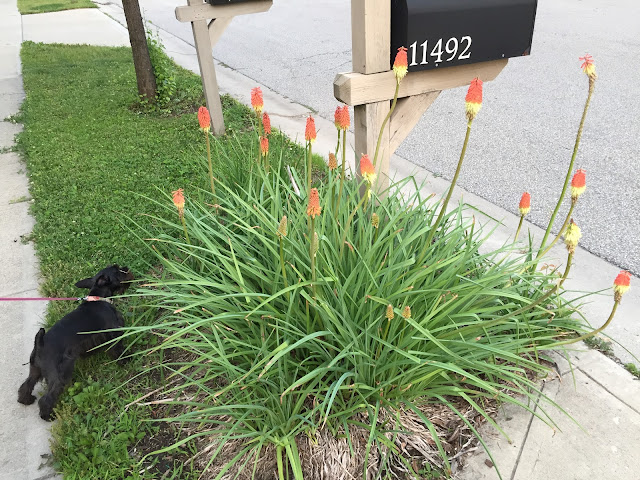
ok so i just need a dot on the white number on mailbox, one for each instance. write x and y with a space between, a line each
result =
451 47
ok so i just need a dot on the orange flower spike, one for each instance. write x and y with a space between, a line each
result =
204 119
345 119
588 66
310 130
264 146
578 184
178 200
400 65
314 209
333 162
266 123
473 100
366 169
621 285
336 117
256 100
525 204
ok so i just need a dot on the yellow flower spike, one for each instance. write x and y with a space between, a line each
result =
389 313
333 162
525 203
282 227
375 220
572 236
366 169
406 312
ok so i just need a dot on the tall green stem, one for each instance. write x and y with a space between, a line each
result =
384 123
309 168
573 158
342 172
184 227
348 225
519 227
446 201
213 188
560 232
594 332
284 272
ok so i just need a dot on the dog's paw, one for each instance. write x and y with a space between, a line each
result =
27 399
46 415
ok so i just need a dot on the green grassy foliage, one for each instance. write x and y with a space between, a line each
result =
42 6
90 153
304 345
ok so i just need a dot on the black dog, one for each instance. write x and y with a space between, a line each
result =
55 352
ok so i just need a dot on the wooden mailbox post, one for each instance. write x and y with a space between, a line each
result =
371 86
208 23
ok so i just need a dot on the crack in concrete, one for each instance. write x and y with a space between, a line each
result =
526 434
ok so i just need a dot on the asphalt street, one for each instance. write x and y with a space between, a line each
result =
524 135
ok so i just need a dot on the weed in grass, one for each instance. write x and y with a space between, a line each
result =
632 369
8 149
21 199
601 344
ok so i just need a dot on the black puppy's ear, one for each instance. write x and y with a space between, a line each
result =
103 280
86 283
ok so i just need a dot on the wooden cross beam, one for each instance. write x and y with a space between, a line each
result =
371 86
208 23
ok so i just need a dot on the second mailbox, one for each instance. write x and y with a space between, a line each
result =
442 33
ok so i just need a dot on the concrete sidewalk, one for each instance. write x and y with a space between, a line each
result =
24 436
598 393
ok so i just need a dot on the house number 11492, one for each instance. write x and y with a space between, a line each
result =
451 49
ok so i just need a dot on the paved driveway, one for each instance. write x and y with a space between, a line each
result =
523 137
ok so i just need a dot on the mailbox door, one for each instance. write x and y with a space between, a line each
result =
443 33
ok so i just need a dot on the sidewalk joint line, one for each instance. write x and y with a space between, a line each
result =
526 435
609 391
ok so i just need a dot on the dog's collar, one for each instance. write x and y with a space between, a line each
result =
93 298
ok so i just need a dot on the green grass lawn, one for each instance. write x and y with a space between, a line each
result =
41 6
91 153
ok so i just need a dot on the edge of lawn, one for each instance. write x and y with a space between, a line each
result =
96 159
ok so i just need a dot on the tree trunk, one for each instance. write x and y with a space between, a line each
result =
140 50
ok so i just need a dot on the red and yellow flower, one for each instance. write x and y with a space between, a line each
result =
256 99
264 146
310 130
578 184
588 66
621 284
525 204
204 119
367 170
266 123
400 65
314 209
178 200
473 100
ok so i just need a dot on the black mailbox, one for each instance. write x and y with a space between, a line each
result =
443 33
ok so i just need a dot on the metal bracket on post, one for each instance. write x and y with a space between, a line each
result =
208 23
